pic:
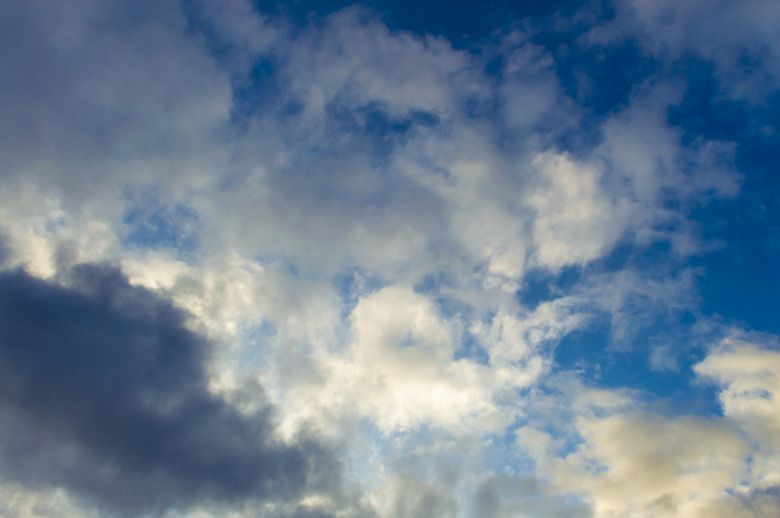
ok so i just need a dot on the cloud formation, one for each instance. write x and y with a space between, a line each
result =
104 393
360 269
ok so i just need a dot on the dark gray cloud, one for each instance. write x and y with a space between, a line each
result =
103 392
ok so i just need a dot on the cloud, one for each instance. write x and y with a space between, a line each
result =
504 496
575 221
361 264
357 60
77 97
747 368
402 360
654 465
104 393
613 451
745 55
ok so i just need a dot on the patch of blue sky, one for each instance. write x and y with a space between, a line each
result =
462 22
373 124
652 345
674 390
542 285
470 348
741 275
155 225
260 93
705 111
742 280
450 307
601 78
257 90
579 347
655 259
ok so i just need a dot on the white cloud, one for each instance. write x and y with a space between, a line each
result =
529 337
487 223
624 461
609 449
747 368
401 361
648 155
653 466
43 236
575 222
357 60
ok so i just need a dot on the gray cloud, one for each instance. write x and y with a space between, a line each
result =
503 496
88 82
103 392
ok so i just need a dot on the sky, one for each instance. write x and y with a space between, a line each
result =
390 259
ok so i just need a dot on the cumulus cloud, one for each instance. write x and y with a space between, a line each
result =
575 221
104 393
611 449
746 368
654 466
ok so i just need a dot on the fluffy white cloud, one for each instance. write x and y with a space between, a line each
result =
356 60
612 451
575 221
652 465
748 370
401 360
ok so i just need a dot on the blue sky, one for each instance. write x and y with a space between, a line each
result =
389 259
